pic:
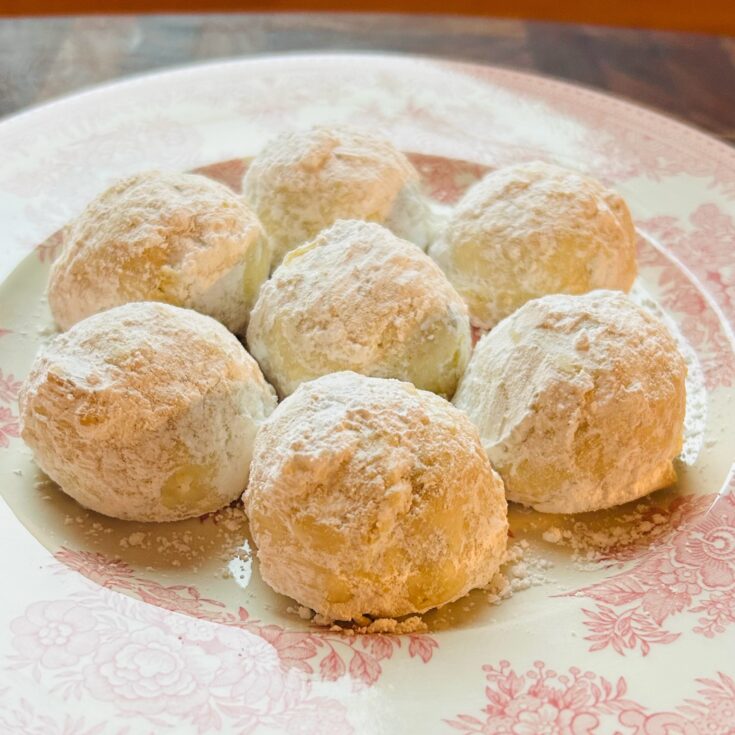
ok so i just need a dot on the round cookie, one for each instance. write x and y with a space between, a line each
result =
178 238
303 182
146 412
534 229
579 401
359 298
370 497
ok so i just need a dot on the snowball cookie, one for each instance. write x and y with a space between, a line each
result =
359 298
304 181
179 238
370 497
145 412
535 229
579 401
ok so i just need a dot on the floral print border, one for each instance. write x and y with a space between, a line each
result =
170 670
541 701
326 654
692 571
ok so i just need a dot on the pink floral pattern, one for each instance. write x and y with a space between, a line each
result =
705 244
326 654
9 422
21 717
652 157
623 141
705 247
9 426
9 387
543 702
445 179
50 248
691 571
56 634
172 671
698 321
115 147
151 672
229 173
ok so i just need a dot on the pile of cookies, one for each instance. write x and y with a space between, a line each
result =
368 492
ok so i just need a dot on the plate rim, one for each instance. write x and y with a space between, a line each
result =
132 81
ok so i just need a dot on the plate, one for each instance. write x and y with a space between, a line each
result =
618 622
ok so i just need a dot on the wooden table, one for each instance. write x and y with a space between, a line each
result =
689 76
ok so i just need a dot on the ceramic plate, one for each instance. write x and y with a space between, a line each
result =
620 622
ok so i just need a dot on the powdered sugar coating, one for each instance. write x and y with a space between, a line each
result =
304 181
359 298
370 497
579 401
145 412
178 238
534 229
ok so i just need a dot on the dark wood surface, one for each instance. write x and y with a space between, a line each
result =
689 76
706 16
